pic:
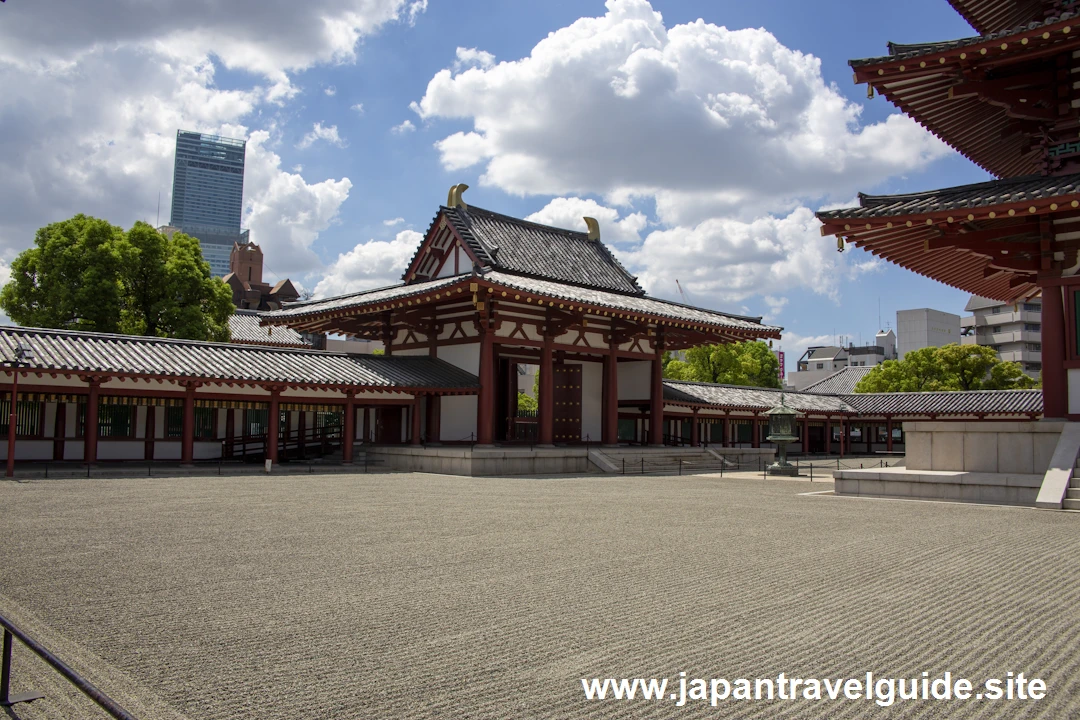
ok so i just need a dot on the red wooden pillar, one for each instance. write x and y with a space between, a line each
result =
757 432
365 431
485 399
273 426
301 431
805 435
828 436
546 404
414 411
1054 378
149 430
187 434
348 432
888 434
695 432
611 398
843 436
656 399
60 431
434 418
726 431
90 432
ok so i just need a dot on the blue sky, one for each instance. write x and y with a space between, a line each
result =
702 150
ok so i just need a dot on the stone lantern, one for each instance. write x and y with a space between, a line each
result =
782 431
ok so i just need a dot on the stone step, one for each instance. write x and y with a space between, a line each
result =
1073 493
1070 504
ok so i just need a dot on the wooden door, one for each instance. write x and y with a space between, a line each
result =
388 425
567 397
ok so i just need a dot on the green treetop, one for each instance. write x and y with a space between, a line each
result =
749 363
951 367
86 274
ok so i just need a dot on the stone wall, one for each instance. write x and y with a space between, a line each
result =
985 447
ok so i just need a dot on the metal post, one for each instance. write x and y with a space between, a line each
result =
624 466
642 466
12 422
5 669
680 466
6 699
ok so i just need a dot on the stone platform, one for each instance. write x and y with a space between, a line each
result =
1003 463
479 461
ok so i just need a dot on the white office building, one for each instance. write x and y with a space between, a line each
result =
917 329
1013 330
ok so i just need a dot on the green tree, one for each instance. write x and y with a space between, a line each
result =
526 403
951 367
919 371
70 279
748 363
86 274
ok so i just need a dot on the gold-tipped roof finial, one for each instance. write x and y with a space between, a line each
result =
594 228
453 198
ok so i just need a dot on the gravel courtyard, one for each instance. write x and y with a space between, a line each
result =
414 596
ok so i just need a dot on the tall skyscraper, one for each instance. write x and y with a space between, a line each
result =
208 194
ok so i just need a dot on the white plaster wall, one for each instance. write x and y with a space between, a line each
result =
466 357
167 450
634 377
29 450
73 450
207 450
414 351
120 450
458 417
592 399
140 421
1073 380
50 419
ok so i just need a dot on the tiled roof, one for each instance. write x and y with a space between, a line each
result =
644 305
364 297
988 16
750 398
528 248
547 288
824 353
933 83
65 350
841 382
974 402
244 326
901 51
960 197
1009 403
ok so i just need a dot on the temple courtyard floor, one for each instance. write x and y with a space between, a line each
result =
415 596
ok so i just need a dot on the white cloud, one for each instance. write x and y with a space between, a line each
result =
569 213
285 213
298 168
268 40
703 119
358 108
405 127
330 91
318 132
393 222
416 8
725 260
376 263
472 57
90 114
462 150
